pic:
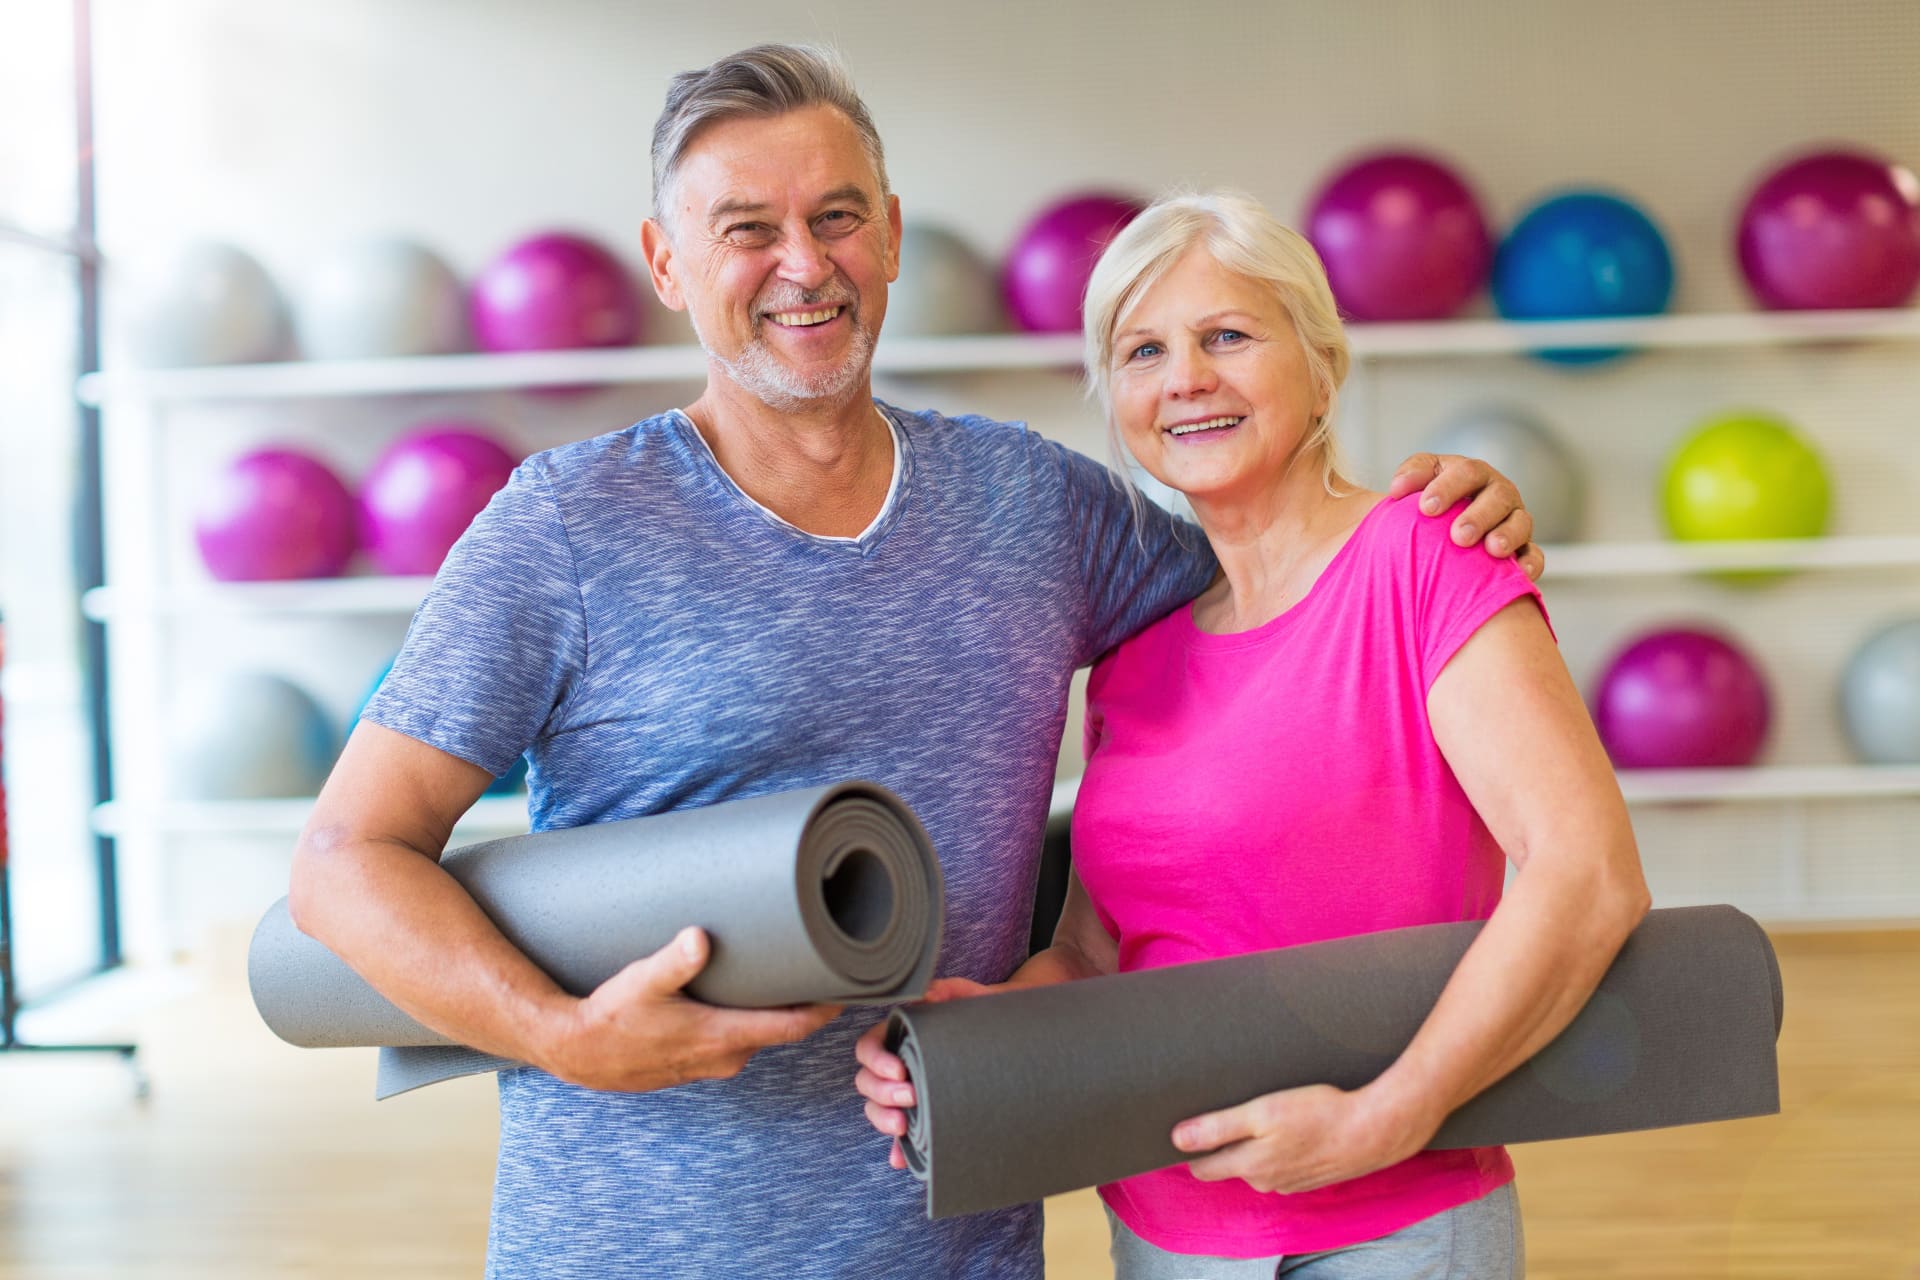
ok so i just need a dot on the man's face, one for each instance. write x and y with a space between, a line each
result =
781 251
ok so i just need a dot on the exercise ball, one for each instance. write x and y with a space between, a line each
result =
1045 276
381 297
211 303
1834 229
1527 453
944 286
1745 475
555 292
1682 698
275 514
425 489
512 780
1582 255
1402 238
247 735
1880 695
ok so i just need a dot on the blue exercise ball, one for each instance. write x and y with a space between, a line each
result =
1880 695
514 779
1582 255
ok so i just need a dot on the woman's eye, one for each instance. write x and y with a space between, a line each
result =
1145 350
1230 336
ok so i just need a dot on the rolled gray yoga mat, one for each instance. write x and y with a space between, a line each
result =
1030 1093
829 894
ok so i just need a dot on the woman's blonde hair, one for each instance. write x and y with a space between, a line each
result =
1244 238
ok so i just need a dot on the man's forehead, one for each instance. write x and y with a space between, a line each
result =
758 160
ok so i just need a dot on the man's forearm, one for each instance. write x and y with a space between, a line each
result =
419 939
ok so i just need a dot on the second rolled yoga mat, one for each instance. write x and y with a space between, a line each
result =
1030 1093
829 894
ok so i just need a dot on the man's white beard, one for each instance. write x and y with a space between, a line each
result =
777 385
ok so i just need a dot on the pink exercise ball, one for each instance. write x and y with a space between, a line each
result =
555 292
1832 230
275 514
425 489
1682 698
1045 276
1402 238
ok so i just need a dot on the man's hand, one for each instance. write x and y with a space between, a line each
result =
636 1031
882 1079
1495 514
1300 1139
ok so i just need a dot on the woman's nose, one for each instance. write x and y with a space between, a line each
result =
1189 372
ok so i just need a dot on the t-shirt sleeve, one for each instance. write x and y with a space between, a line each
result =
1457 590
1136 561
500 638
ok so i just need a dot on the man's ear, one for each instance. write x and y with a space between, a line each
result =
894 229
657 245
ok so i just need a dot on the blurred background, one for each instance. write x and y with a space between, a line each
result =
285 289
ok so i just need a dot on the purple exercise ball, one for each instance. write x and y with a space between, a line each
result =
555 292
1832 230
1046 274
425 489
273 515
1402 238
1682 698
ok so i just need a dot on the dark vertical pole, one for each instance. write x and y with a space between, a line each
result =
89 526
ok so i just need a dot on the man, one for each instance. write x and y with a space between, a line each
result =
784 584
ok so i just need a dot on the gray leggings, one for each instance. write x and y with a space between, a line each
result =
1479 1240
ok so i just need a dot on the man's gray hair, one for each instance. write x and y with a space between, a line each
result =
766 80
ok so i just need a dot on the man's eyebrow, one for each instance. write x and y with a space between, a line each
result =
734 206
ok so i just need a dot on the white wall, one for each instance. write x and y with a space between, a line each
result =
287 127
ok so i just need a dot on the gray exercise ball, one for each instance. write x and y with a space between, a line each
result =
945 288
381 297
247 735
1527 453
1880 695
211 303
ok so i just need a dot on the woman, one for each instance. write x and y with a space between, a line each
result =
1352 730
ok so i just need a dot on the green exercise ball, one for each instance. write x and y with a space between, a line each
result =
1746 475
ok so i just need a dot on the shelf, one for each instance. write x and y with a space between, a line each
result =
316 596
439 374
1638 559
490 816
1565 561
982 352
1687 786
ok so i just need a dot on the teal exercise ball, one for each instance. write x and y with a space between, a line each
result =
1527 452
1880 695
247 735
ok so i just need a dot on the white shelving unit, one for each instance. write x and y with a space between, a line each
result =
144 605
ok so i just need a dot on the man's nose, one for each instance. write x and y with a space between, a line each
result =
803 260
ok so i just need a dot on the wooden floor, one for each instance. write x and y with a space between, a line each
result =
269 1162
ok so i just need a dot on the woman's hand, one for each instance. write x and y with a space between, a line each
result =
882 1079
1300 1139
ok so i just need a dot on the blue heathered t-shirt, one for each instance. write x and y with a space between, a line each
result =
653 639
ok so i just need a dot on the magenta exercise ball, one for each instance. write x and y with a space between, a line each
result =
275 514
1682 698
1835 229
425 489
555 292
1402 238
1045 277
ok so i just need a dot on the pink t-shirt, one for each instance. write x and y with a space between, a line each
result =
1282 786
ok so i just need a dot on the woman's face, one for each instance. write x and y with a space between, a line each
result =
1211 390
